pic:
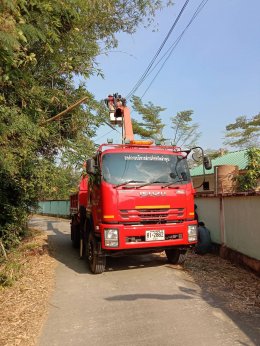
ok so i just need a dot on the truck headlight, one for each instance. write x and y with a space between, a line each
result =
111 237
192 233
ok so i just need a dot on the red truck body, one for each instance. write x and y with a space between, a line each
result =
152 215
81 197
134 210
137 197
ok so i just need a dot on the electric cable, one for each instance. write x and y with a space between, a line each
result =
107 133
168 53
142 78
174 45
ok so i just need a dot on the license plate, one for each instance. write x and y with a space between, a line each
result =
154 235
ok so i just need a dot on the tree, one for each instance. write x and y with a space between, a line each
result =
244 133
58 182
151 125
213 153
250 179
43 46
185 133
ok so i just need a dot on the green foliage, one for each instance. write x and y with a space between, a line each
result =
151 125
43 46
185 133
244 133
11 265
213 154
249 181
58 182
10 273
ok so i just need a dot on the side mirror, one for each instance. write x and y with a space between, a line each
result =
91 166
207 162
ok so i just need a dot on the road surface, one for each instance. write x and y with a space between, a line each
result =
140 300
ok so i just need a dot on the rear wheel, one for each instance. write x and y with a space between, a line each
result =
176 256
82 221
95 259
75 232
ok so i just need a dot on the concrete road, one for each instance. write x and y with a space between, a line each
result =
139 300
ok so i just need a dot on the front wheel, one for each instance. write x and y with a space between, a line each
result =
176 256
95 259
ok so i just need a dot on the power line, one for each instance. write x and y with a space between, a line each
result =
107 133
174 45
144 75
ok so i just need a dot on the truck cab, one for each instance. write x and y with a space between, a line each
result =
140 199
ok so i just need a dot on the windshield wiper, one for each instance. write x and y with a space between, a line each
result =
128 182
150 183
173 182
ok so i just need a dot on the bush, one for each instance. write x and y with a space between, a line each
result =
249 180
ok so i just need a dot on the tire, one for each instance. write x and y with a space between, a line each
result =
176 256
75 232
182 257
95 260
82 222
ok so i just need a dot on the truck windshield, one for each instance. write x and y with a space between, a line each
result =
142 168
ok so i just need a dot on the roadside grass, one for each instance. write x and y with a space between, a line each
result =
26 281
12 261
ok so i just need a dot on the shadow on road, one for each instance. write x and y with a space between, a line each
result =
63 251
134 262
132 297
248 322
59 242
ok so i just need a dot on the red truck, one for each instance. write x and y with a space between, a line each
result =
138 198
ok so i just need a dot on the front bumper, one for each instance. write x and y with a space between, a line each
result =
133 236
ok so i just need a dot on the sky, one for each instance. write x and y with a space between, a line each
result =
214 70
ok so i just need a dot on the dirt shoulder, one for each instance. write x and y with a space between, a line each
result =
237 288
24 304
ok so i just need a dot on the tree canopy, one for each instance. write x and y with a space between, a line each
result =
185 133
151 125
244 132
43 46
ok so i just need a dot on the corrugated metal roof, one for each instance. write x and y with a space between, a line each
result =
237 158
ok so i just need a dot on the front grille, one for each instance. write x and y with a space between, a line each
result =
153 215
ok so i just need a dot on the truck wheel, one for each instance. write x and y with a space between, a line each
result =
75 234
175 256
81 229
96 262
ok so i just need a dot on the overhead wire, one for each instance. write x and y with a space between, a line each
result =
107 133
168 53
142 78
174 45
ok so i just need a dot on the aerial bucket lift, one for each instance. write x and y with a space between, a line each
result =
119 115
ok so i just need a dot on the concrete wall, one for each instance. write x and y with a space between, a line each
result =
234 221
57 208
208 210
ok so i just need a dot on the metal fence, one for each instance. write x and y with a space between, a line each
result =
55 208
